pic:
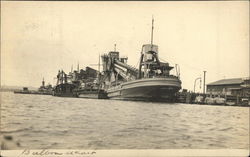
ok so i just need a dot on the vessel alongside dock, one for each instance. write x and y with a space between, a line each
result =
64 90
152 81
79 83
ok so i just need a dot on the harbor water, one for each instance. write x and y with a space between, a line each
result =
47 122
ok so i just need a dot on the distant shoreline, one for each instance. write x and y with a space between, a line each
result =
13 88
7 90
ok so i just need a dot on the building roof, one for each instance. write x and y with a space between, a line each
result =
227 81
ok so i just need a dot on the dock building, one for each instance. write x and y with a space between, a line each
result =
233 86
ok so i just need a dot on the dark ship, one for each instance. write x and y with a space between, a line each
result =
152 81
25 90
79 83
63 88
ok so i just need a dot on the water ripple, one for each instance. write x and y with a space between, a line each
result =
46 122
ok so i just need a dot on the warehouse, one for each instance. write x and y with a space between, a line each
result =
234 86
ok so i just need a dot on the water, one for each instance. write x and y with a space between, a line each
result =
47 122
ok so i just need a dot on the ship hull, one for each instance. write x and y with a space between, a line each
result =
155 89
94 94
64 90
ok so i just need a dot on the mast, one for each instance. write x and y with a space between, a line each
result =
152 32
99 63
99 73
115 48
43 82
78 66
204 82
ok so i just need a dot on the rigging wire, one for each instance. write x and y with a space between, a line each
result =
137 63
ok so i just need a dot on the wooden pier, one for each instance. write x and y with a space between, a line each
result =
199 98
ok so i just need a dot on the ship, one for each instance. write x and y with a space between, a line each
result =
79 83
151 81
45 89
25 90
42 90
63 88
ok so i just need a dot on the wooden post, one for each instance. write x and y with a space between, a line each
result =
204 82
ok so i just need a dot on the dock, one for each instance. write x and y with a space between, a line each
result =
209 99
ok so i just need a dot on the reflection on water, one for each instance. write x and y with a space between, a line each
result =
47 122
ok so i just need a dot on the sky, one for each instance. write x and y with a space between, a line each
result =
40 38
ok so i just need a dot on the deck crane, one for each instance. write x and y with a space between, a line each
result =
116 69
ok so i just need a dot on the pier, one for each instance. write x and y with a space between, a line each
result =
209 99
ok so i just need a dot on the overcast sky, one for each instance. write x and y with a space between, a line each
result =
39 38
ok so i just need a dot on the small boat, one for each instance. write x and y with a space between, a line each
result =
24 91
